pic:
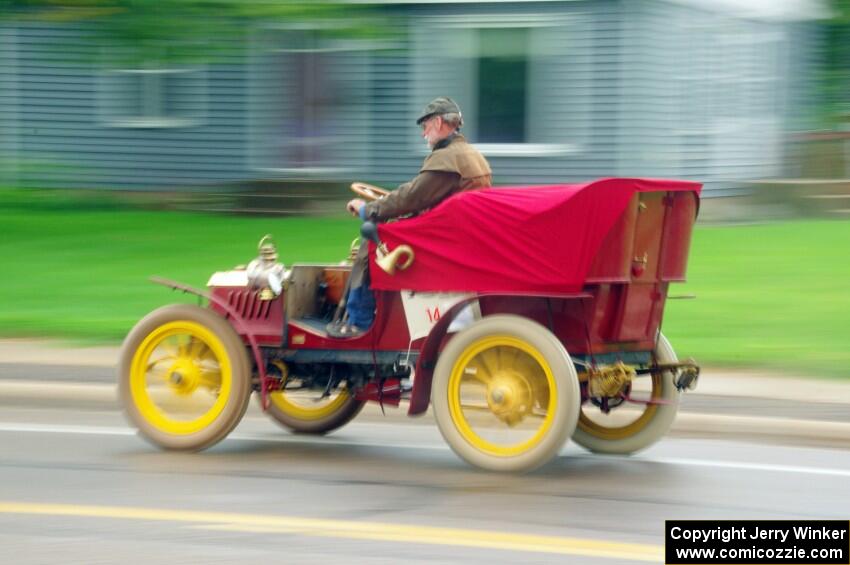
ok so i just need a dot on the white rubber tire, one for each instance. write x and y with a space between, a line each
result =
316 426
240 390
566 381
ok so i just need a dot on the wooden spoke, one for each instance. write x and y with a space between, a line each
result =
211 379
476 408
197 349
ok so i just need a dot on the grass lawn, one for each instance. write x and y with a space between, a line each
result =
771 295
84 273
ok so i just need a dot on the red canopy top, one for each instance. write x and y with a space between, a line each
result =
537 239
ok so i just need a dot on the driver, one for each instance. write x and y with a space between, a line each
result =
452 166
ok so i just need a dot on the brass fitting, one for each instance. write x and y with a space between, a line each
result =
610 381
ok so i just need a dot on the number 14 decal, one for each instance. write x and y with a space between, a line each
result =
433 314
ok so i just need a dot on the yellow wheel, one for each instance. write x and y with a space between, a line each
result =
505 394
631 427
306 411
185 379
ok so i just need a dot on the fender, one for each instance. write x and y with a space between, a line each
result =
241 326
420 396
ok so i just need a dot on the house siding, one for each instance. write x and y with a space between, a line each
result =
589 47
626 90
63 139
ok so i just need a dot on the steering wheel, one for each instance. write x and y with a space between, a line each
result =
368 191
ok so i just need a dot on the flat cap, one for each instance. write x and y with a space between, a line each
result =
439 106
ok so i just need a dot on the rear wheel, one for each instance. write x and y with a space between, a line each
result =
632 427
307 411
505 394
184 377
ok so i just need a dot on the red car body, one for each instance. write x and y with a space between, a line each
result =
618 309
525 317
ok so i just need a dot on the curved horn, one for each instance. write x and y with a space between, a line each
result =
389 262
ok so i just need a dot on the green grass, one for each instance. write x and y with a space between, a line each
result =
84 273
773 296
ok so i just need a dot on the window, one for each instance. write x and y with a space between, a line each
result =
309 101
316 92
522 80
153 98
502 85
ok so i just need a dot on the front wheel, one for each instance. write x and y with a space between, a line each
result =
505 394
630 428
184 377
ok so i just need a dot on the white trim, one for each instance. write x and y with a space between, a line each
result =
765 10
520 149
157 71
163 122
490 21
771 10
528 149
328 23
301 170
153 101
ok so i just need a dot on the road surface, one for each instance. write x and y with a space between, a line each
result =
78 486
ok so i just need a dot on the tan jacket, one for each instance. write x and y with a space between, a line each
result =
453 166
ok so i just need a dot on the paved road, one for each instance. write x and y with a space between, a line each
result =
700 402
80 487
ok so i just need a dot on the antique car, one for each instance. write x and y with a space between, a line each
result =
523 316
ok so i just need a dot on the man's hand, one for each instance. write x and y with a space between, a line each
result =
354 206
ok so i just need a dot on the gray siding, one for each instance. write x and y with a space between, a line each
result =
8 106
617 88
66 138
392 131
640 89
293 140
572 101
703 96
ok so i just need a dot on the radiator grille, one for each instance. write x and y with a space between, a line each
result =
248 304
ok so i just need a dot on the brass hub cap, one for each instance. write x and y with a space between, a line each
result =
502 396
184 377
509 396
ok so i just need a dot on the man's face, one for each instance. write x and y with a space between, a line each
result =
431 130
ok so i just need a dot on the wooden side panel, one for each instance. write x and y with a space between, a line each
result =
639 313
678 227
648 230
388 333
595 320
335 279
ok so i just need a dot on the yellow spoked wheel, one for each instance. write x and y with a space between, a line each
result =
505 394
184 378
307 411
631 427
